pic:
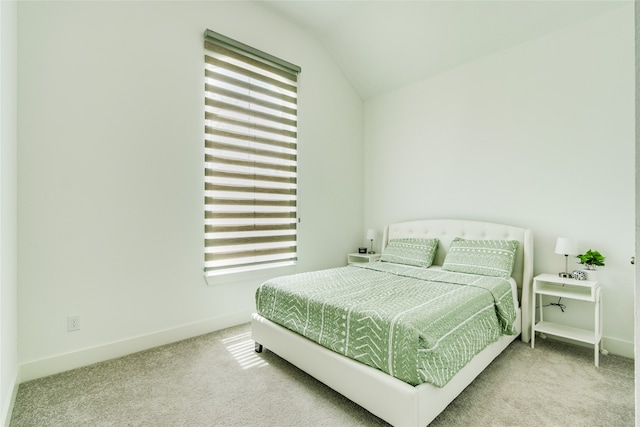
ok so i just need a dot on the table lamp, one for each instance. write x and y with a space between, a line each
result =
565 247
371 234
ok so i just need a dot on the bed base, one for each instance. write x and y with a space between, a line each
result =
393 400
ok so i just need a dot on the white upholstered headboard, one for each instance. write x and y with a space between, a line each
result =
445 230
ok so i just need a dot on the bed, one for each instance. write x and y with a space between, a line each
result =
403 402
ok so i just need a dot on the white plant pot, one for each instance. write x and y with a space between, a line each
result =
591 274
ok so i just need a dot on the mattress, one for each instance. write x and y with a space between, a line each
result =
418 325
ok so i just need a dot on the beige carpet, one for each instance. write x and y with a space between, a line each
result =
218 380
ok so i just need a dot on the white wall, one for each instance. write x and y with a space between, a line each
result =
541 135
111 164
8 209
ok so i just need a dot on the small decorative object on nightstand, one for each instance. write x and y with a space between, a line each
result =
579 275
362 258
583 290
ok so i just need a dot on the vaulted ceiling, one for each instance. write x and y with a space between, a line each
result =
384 45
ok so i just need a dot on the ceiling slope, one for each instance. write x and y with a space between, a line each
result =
384 45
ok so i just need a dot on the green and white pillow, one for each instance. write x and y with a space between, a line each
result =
410 251
485 257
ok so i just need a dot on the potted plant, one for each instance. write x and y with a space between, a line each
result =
591 259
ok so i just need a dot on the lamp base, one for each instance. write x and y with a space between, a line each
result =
564 275
372 252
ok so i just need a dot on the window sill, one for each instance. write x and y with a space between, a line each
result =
250 276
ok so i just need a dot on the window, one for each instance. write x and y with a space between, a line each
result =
251 208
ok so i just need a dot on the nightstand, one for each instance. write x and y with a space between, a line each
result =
359 258
583 290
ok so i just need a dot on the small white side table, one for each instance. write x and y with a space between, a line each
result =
358 258
583 290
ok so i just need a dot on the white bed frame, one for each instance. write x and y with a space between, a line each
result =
395 401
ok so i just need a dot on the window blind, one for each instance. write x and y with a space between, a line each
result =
251 185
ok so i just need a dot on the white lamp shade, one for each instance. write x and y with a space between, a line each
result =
566 246
371 234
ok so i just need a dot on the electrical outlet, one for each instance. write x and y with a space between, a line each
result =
73 323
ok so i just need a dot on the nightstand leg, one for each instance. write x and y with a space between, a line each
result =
598 327
533 319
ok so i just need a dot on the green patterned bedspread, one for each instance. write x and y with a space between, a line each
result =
415 324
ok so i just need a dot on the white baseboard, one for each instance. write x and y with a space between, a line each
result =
618 347
7 406
64 362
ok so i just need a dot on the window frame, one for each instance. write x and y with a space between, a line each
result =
251 195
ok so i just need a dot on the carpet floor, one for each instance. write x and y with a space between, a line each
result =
218 380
